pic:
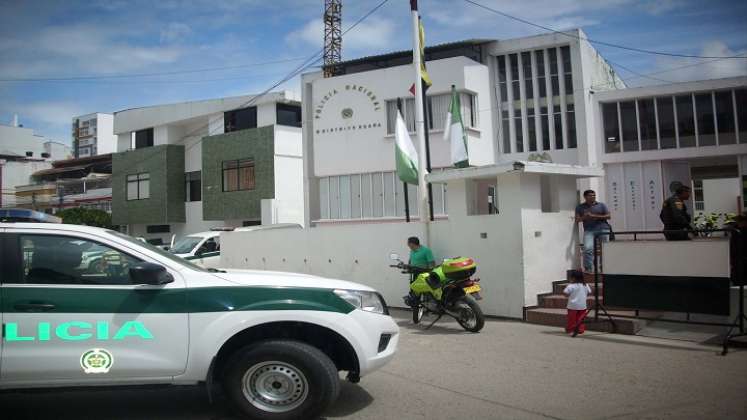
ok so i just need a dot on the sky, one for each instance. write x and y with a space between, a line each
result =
237 47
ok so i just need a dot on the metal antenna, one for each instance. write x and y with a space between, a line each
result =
332 36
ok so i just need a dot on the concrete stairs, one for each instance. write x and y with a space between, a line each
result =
551 310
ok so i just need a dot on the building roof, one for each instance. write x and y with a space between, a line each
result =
83 161
487 171
471 48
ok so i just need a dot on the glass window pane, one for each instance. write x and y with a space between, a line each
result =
355 196
366 195
246 177
570 120
725 118
230 180
558 131
438 199
545 131
741 97
413 200
647 121
501 68
506 132
324 198
389 194
665 110
629 126
334 197
526 63
514 62
345 197
391 116
400 192
144 189
439 109
685 120
409 114
519 135
531 131
539 56
131 190
378 195
706 128
565 52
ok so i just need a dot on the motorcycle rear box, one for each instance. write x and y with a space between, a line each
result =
459 268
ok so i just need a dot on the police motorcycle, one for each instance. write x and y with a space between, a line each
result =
447 289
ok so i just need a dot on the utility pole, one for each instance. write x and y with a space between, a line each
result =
332 36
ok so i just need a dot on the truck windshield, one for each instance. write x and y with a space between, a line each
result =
186 244
157 250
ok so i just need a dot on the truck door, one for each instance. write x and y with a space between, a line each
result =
72 313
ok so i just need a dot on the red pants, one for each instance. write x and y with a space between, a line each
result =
574 317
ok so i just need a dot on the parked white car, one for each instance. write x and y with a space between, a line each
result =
274 341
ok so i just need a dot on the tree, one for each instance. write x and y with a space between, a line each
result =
88 217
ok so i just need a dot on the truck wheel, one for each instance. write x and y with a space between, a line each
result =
281 379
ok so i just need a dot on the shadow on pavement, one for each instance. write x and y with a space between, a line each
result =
352 399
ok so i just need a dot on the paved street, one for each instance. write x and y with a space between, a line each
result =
509 371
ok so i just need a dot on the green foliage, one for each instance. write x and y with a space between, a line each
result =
710 221
88 217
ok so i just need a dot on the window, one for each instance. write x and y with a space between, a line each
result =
193 185
706 128
408 114
287 114
143 138
240 119
565 53
506 132
470 111
210 245
539 56
741 98
238 175
698 197
685 120
545 128
553 55
629 126
502 78
437 108
647 123
519 133
531 130
514 61
611 128
725 118
558 121
51 259
158 229
570 122
138 186
526 63
665 111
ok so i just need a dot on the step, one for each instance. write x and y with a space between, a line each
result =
556 317
560 301
558 288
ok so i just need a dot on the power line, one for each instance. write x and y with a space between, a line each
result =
608 44
133 75
629 70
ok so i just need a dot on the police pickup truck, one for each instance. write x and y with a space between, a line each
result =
275 342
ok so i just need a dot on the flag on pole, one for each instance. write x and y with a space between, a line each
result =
423 72
454 132
404 153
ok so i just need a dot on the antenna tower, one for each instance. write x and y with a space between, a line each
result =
332 36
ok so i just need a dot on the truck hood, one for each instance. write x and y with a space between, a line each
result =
282 279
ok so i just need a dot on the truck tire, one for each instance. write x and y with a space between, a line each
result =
280 380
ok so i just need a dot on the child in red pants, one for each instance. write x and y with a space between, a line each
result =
577 293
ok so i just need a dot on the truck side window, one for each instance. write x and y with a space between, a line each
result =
51 259
210 245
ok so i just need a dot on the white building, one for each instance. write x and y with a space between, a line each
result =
21 154
693 133
522 99
93 134
188 167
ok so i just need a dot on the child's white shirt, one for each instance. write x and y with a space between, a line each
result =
577 294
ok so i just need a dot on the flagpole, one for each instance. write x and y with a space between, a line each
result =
427 149
404 184
419 121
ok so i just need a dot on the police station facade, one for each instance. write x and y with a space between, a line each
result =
546 97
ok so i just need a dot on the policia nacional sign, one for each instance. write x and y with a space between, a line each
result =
349 114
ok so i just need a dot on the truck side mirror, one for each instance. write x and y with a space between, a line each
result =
150 273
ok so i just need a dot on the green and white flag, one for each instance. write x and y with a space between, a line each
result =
454 132
404 153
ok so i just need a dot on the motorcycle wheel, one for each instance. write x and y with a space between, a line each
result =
469 314
417 313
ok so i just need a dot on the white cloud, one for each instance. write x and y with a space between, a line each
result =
689 69
659 7
373 33
175 32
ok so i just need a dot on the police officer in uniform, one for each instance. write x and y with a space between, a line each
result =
674 215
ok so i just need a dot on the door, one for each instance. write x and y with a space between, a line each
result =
72 314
